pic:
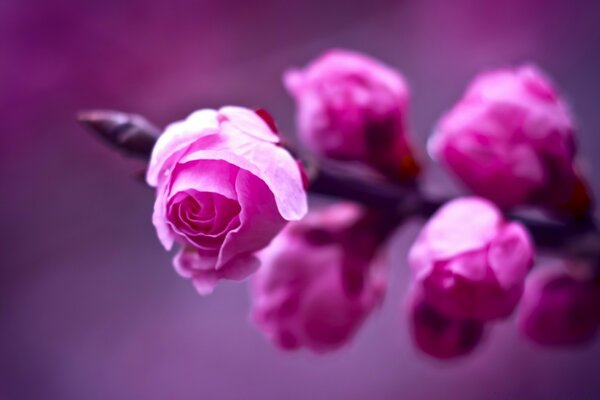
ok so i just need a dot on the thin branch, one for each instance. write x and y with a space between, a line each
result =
135 136
130 133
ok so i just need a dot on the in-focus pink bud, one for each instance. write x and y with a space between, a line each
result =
318 281
470 262
352 107
224 189
511 139
439 335
559 309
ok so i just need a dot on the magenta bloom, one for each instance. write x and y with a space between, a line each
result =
438 335
224 190
318 282
510 139
470 262
352 107
558 309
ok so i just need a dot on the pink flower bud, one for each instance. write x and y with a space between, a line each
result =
470 262
559 309
318 281
510 139
225 188
438 335
352 107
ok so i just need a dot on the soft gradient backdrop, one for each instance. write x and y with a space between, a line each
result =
90 307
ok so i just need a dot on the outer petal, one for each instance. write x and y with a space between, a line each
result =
437 334
329 317
271 164
337 62
293 81
238 269
471 266
190 264
419 259
465 287
260 220
205 282
177 137
159 219
248 122
464 224
511 255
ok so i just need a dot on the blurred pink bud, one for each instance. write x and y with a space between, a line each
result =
352 107
438 335
318 282
510 139
225 188
559 308
470 262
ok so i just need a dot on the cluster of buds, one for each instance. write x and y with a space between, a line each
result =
234 199
510 140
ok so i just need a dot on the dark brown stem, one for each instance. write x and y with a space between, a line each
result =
135 136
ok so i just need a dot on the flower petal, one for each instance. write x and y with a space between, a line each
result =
176 137
212 176
271 164
188 262
164 232
205 281
248 122
260 220
511 255
200 268
464 224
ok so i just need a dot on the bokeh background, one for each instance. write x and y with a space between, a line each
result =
89 305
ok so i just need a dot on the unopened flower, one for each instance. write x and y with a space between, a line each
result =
559 309
352 107
318 281
470 262
438 335
225 188
511 140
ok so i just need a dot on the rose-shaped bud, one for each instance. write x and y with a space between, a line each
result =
511 140
318 281
558 308
354 108
470 262
438 335
225 188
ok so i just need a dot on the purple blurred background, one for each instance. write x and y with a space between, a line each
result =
89 305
